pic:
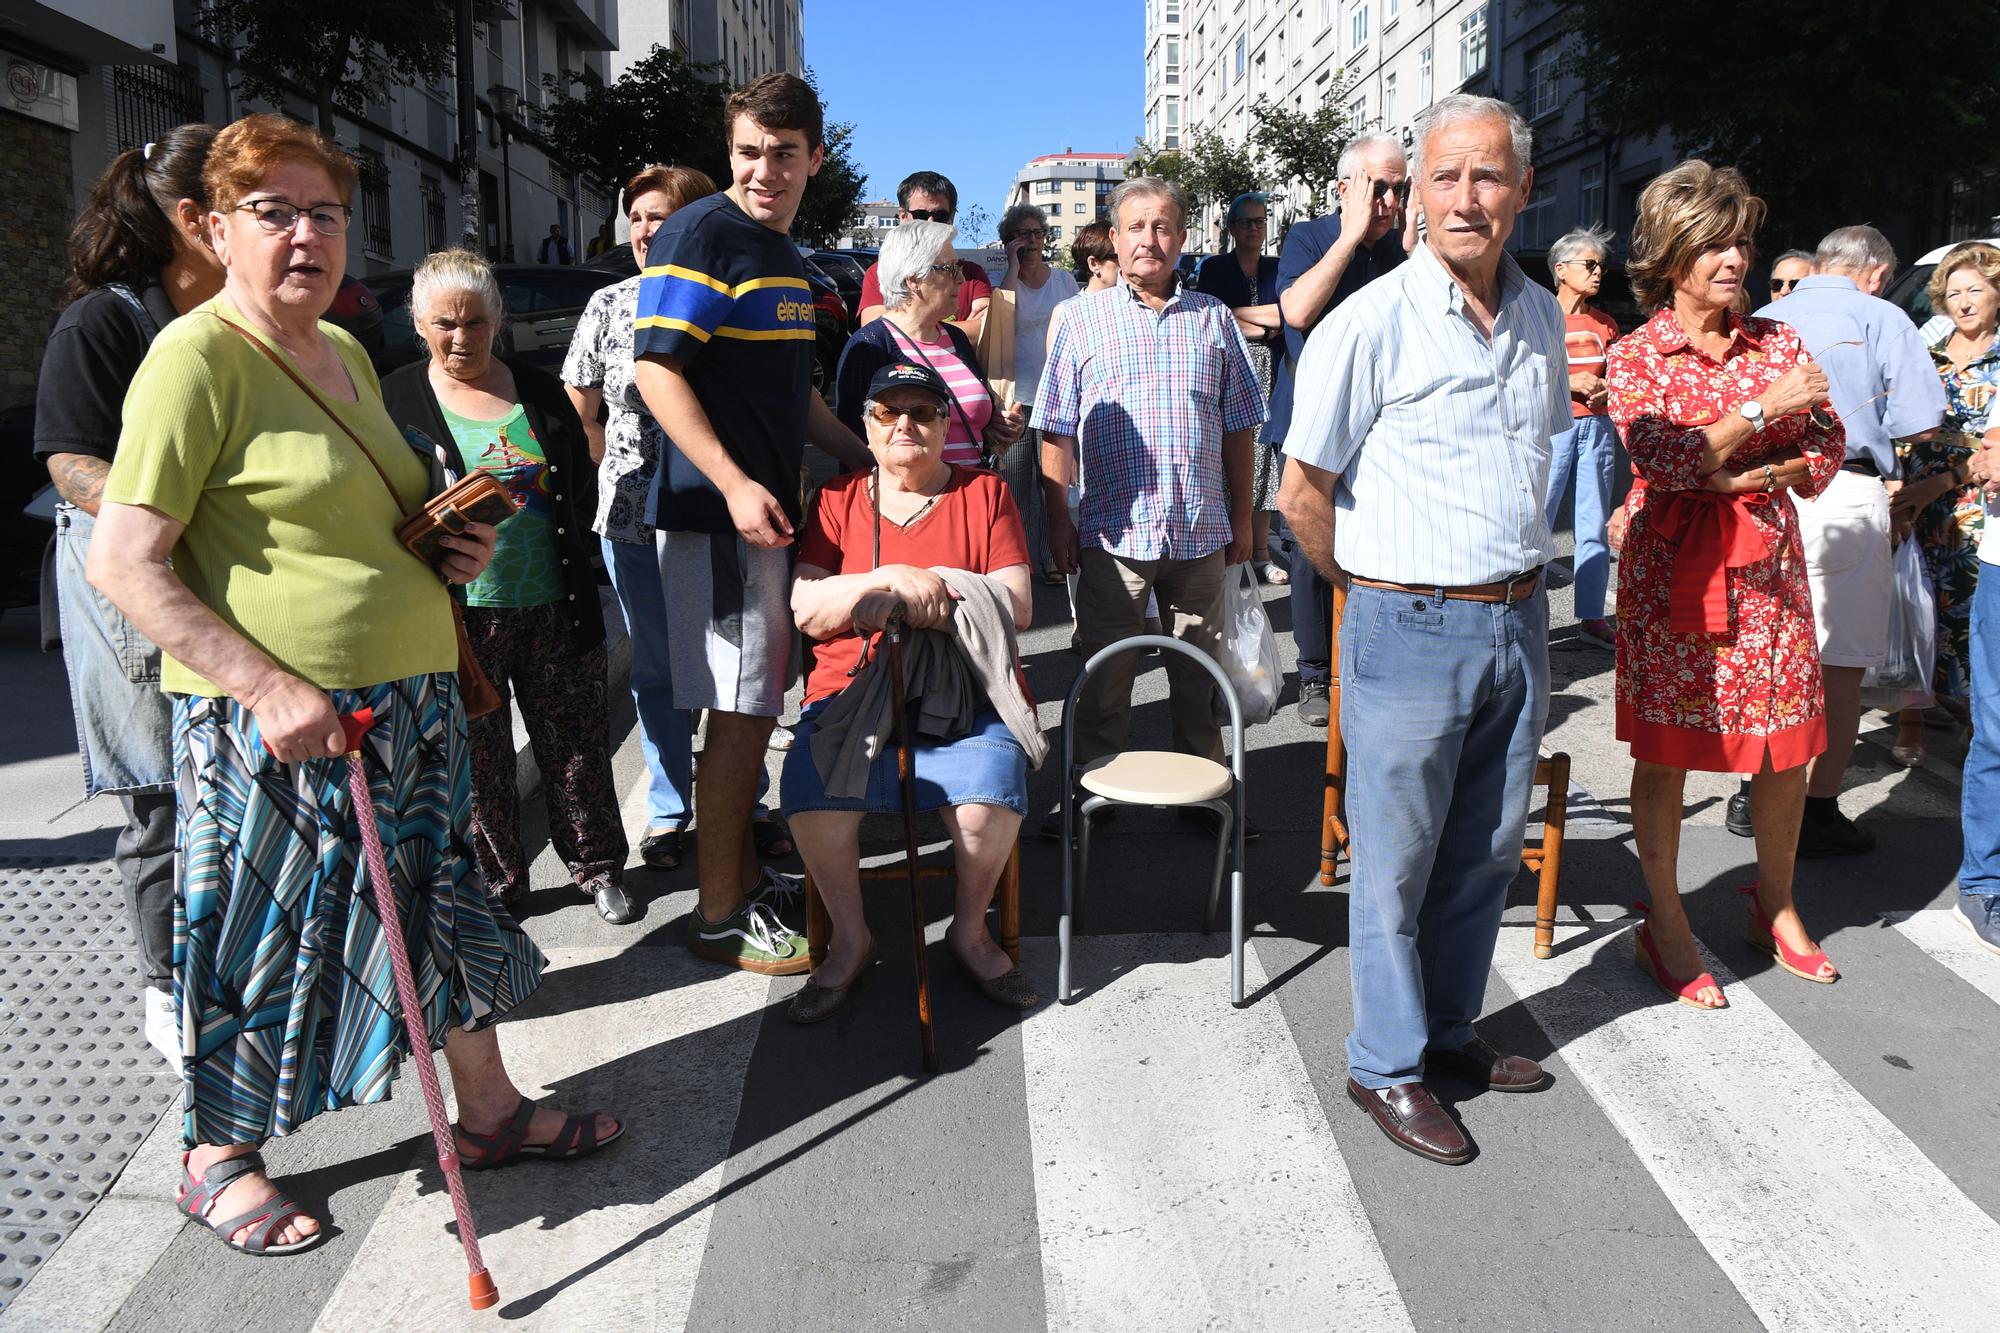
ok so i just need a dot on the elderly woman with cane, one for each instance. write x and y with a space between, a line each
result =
248 528
915 534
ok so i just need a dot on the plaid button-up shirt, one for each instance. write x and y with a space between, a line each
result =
1149 394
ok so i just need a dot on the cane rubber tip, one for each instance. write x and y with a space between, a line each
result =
483 1293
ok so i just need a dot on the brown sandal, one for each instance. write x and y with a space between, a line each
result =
508 1144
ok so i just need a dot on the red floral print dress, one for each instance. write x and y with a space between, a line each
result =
1718 664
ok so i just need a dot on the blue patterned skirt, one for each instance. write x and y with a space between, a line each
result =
281 970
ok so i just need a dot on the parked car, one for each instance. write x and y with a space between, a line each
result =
543 304
1910 289
829 314
845 275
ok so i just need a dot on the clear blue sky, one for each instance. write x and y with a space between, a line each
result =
976 89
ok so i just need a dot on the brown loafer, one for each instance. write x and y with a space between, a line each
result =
816 1002
1414 1122
1480 1065
1011 988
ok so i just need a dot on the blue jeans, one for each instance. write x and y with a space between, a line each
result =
1588 451
1442 705
664 732
124 725
1979 801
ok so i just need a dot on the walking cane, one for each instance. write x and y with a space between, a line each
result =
906 772
482 1292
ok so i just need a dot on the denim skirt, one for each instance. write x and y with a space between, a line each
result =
986 766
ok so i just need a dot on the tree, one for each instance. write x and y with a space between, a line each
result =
343 55
1836 113
662 109
833 196
1304 148
1210 169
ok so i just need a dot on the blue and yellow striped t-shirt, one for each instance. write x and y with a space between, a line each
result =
727 298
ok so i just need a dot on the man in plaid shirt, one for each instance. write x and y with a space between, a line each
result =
1150 385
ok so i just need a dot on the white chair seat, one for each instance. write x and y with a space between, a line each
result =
1155 777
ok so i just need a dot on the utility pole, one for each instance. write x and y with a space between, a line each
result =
468 131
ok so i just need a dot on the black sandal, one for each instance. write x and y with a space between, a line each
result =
663 851
771 837
508 1144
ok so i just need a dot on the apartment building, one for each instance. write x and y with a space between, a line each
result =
1071 187
745 38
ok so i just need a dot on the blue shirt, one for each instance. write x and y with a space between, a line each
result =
1867 347
1439 434
1149 394
1305 245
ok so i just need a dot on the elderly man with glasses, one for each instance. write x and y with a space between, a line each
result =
1787 271
926 196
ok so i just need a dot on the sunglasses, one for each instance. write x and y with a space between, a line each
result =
1587 265
1402 189
931 214
920 414
1783 285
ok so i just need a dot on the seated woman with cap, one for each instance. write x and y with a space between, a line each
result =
878 540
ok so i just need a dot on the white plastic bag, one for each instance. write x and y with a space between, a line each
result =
1904 678
1250 647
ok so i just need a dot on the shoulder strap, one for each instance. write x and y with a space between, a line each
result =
902 341
131 298
309 392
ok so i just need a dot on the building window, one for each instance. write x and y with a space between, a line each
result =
1544 82
1358 27
149 100
1357 112
433 191
1173 61
1173 124
374 182
1390 10
1590 195
1055 231
1388 99
1242 49
1049 187
1472 44
1426 93
1537 227
1173 11
1325 14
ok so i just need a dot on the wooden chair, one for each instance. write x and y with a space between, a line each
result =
1543 858
1007 895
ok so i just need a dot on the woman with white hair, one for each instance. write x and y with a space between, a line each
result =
533 616
1588 450
920 277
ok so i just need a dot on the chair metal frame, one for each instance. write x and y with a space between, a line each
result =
1229 838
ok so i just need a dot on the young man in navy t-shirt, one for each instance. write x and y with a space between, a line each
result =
724 344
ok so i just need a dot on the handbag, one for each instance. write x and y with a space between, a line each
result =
995 347
462 502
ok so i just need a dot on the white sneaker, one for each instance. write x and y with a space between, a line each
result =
163 1026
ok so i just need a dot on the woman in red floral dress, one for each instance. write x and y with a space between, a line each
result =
1718 666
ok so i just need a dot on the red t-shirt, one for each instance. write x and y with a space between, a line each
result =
1588 336
974 525
976 287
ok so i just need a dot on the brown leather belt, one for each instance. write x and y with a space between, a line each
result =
1508 591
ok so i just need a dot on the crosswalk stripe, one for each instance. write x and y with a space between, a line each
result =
1942 933
1185 1176
616 1242
1823 1214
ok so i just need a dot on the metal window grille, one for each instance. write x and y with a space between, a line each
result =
374 173
433 191
149 100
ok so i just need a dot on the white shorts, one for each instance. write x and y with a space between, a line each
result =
1849 565
729 622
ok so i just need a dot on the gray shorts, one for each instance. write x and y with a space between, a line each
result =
729 622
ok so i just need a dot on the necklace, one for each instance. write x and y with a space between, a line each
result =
874 497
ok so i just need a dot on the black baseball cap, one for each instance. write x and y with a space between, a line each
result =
903 375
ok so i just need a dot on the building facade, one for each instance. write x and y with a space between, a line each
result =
1072 188
743 38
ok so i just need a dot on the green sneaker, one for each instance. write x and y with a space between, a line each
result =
751 938
784 894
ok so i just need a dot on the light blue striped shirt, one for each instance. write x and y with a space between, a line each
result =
1440 436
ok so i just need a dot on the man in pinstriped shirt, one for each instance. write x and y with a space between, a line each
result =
1425 406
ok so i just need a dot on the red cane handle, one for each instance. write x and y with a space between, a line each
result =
356 725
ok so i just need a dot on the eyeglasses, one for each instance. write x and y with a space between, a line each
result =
1781 286
1587 265
1030 234
930 214
1402 189
279 217
920 414
951 271
1259 221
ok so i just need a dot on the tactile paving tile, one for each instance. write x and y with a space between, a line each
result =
79 1087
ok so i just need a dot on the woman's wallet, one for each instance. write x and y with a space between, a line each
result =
477 497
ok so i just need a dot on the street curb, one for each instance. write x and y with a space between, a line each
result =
617 675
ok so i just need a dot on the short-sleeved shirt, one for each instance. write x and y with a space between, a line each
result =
524 570
976 287
93 352
1149 394
1305 245
1440 434
600 357
727 298
1867 347
972 406
289 534
974 525
1587 337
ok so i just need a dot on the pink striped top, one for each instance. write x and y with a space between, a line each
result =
975 405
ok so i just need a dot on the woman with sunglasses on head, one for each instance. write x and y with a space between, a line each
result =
1588 450
139 259
921 278
1245 279
249 528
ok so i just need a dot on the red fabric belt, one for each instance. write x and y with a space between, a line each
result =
1712 533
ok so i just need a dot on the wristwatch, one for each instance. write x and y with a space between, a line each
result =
1753 412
